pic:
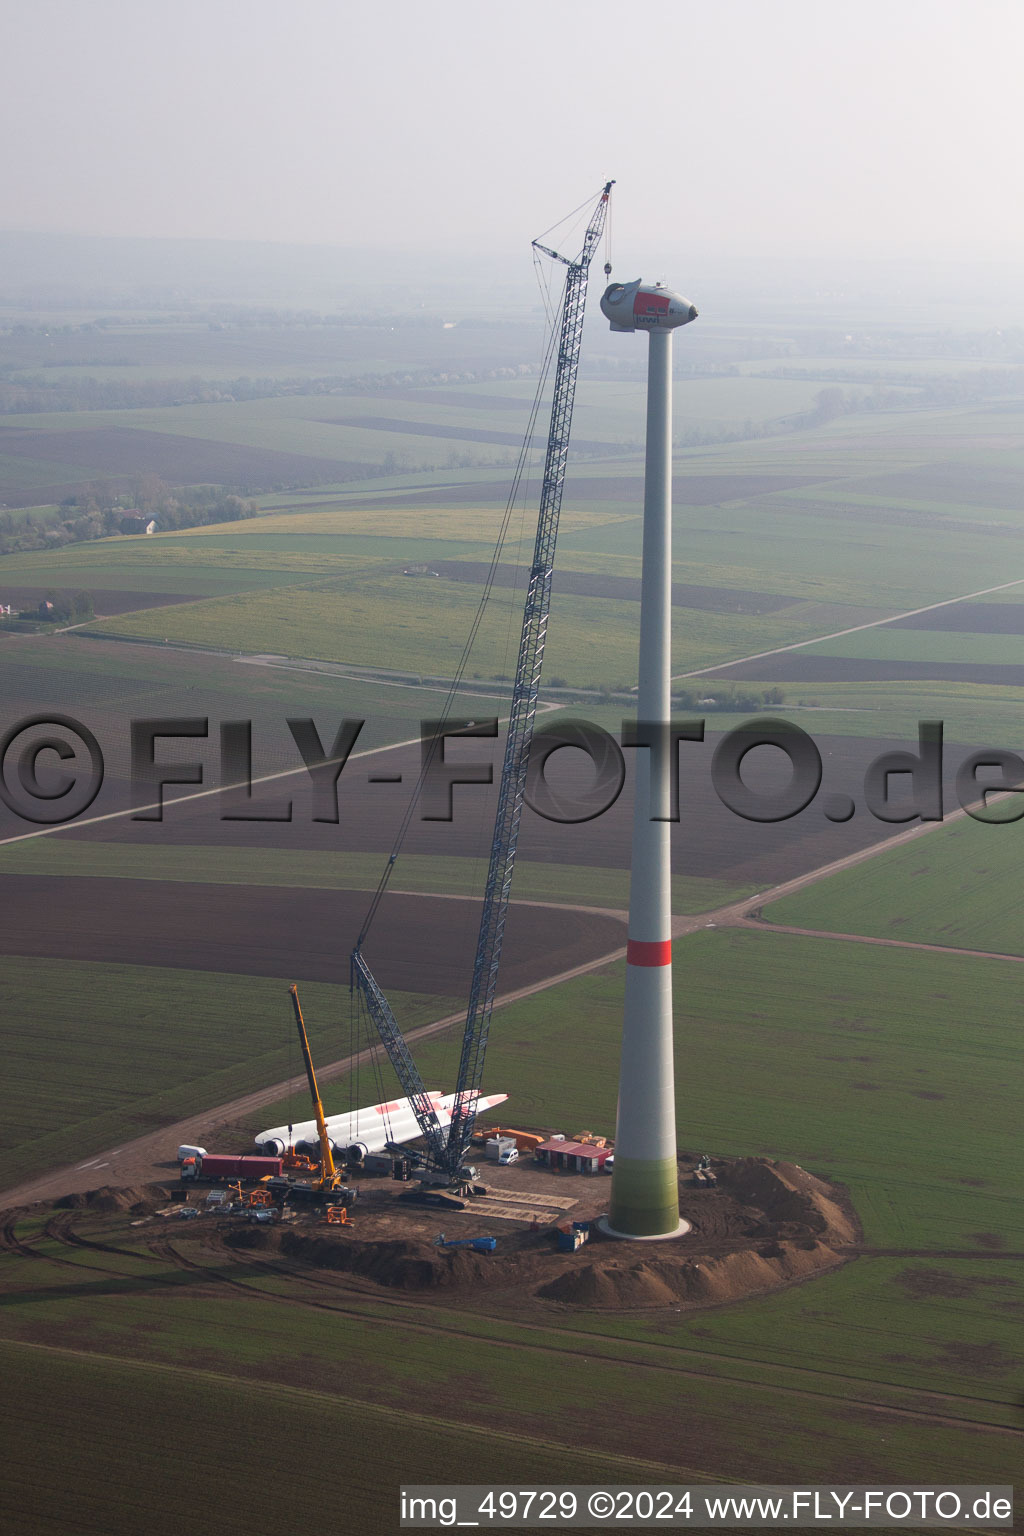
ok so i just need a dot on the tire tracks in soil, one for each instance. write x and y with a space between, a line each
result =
662 1471
289 1274
343 1301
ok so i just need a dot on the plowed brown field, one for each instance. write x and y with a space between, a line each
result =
419 943
709 840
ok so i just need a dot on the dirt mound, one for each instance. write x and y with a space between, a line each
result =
249 1237
400 1264
764 1225
140 1200
685 1281
788 1194
612 1285
788 1217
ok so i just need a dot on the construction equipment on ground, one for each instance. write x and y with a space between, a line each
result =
260 1197
526 1141
338 1216
328 1178
478 1244
447 1146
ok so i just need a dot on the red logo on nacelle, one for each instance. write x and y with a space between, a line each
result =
650 304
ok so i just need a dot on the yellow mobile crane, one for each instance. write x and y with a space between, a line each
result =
329 1178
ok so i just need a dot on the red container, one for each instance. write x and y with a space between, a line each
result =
249 1168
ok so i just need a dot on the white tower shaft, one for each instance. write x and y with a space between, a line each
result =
645 1183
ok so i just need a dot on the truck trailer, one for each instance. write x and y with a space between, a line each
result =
214 1166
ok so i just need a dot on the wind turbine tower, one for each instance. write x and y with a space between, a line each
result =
645 1181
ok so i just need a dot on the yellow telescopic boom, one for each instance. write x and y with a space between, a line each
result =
328 1174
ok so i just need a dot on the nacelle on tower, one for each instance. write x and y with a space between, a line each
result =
644 306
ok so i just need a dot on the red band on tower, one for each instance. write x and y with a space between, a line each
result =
645 952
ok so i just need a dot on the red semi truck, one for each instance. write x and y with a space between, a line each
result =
214 1166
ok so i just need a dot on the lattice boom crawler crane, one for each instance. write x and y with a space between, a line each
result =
446 1148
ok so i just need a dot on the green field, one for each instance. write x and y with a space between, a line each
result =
888 644
119 1050
326 1374
894 1363
592 642
971 712
97 1403
607 413
958 886
575 884
895 1072
324 580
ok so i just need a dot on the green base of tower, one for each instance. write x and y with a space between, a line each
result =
645 1197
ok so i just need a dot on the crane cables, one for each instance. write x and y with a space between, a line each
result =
449 703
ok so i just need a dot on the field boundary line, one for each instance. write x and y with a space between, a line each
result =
870 938
310 1394
838 634
203 794
736 911
720 1360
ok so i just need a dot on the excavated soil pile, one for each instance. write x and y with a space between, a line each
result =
765 1225
140 1200
795 1220
679 1281
793 1200
616 1285
406 1266
402 1264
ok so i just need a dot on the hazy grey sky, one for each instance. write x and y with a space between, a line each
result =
824 124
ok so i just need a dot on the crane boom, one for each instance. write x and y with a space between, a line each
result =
447 1148
525 693
328 1173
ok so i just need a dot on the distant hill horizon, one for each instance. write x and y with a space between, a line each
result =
42 270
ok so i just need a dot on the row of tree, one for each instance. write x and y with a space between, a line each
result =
63 608
712 698
98 514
